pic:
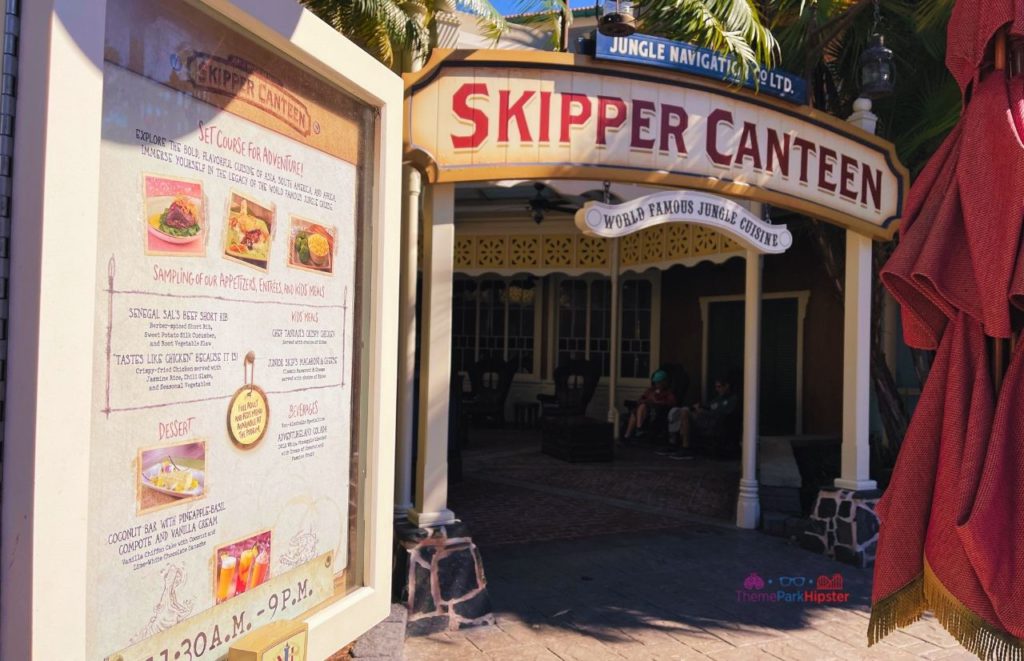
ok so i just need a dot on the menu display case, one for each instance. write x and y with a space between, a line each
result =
213 268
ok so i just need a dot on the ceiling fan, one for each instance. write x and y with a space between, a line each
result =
569 204
541 203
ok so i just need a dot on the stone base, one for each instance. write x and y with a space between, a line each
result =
844 526
439 575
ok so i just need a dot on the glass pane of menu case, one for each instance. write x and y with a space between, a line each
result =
226 436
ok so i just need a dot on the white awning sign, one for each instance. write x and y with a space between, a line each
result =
684 206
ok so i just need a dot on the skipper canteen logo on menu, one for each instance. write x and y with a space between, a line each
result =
790 589
239 79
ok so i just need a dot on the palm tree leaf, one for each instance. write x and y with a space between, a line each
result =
490 20
731 27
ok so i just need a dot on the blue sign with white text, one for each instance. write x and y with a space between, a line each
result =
680 56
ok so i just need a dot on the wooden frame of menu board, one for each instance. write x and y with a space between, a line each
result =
48 470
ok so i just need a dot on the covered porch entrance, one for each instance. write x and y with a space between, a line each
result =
476 117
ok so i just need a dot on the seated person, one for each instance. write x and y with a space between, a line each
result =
706 420
658 395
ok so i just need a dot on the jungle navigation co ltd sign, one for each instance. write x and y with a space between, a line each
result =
681 56
723 214
489 115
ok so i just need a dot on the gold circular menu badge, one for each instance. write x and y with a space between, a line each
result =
248 416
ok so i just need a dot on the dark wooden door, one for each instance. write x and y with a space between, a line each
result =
779 319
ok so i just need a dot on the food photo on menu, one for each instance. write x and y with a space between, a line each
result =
248 231
171 474
312 246
174 216
242 566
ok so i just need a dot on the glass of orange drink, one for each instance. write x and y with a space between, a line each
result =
244 570
226 577
261 566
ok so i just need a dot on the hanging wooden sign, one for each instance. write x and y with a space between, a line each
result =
492 115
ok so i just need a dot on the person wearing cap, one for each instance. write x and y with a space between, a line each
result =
705 419
658 394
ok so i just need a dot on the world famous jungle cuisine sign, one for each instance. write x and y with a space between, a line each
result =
503 115
221 433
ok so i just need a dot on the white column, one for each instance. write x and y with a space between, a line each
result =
406 424
616 343
855 471
748 508
431 506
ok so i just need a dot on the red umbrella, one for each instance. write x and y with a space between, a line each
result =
952 536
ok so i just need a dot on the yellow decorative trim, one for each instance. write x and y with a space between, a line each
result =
524 251
654 243
659 246
559 250
465 251
678 240
631 249
592 251
492 251
705 240
926 592
727 244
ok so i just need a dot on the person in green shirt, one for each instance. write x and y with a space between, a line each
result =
705 419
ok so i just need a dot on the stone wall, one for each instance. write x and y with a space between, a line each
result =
441 579
844 526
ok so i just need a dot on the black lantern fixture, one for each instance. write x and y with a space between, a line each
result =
876 70
876 65
617 19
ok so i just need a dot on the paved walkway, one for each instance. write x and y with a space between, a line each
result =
581 566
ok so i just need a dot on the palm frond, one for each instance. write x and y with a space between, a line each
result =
490 20
933 14
546 16
388 28
731 27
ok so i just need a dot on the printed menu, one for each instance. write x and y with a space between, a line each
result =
226 298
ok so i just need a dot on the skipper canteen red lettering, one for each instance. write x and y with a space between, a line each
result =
529 117
238 79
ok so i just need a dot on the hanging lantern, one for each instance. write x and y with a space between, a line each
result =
876 69
617 19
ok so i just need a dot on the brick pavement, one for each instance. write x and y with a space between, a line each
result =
669 594
581 566
506 475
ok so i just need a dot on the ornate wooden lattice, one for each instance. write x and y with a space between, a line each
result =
524 251
465 247
492 251
558 250
705 240
654 244
592 252
631 249
659 246
678 240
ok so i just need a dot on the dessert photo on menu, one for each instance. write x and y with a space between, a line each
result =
171 474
